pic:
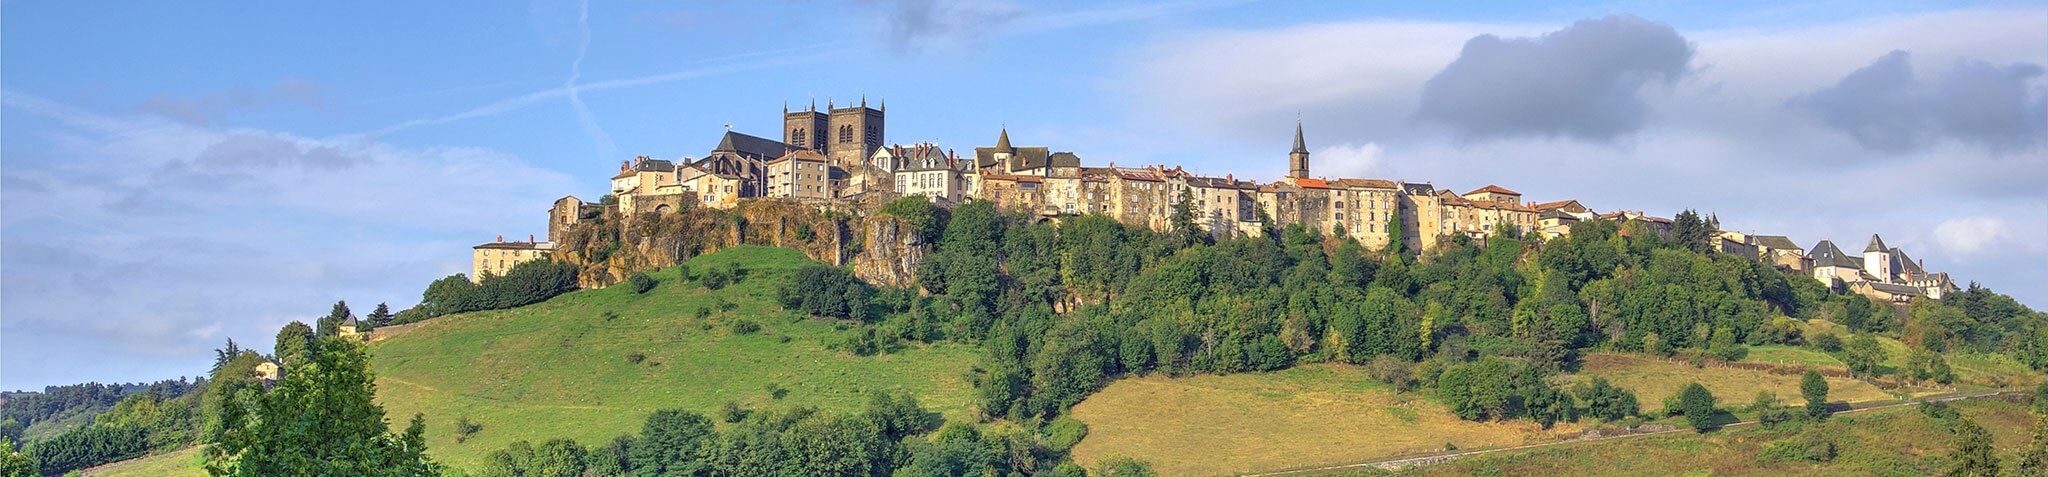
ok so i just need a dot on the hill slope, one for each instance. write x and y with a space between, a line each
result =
561 368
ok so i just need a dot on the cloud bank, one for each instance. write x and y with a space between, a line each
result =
1581 82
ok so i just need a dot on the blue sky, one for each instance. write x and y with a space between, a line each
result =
175 174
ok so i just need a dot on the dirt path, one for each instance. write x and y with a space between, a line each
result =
1397 463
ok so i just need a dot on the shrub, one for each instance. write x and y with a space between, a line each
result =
827 291
1810 448
465 428
1064 432
1391 370
744 326
641 282
609 315
1698 406
775 391
1828 342
731 412
635 357
715 279
1731 352
703 312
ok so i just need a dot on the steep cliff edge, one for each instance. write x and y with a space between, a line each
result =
883 250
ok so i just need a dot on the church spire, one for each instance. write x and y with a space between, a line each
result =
1003 141
1297 160
1300 146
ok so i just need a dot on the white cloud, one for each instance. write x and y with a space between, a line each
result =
1724 140
1347 160
1971 235
140 239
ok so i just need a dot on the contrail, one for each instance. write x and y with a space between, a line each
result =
605 148
767 59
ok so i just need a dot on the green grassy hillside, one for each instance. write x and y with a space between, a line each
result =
1899 441
561 368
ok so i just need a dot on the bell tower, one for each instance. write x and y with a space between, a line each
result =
804 129
1297 160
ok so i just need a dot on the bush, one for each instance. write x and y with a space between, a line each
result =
731 412
641 282
744 326
635 357
527 283
775 391
1391 370
1828 342
715 279
1731 352
827 291
1064 432
1698 406
465 428
1810 448
1606 401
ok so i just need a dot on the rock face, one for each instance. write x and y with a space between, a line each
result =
606 249
891 251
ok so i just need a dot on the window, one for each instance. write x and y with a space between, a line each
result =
846 133
796 137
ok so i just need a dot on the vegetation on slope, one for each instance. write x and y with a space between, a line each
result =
567 368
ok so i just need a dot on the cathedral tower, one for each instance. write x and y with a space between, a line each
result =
804 129
855 132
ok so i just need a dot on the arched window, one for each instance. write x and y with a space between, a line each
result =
796 137
846 133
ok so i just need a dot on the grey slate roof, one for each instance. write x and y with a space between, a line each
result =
1825 254
1064 159
1417 189
650 165
1876 245
751 147
1776 242
1896 289
1300 147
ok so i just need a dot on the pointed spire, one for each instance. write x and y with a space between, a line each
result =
863 100
1876 245
1003 141
1300 146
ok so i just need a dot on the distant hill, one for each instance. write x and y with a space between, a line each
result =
564 368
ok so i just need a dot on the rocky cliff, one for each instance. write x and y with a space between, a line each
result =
882 250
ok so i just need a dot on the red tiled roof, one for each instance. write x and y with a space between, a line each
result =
1312 183
1495 189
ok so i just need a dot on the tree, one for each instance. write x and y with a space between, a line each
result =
1692 233
321 419
673 442
331 324
641 282
1186 228
1863 355
14 463
1815 390
2034 459
380 316
1697 404
222 356
557 458
294 343
1974 455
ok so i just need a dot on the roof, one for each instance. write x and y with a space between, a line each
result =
1895 289
1133 174
1417 189
516 246
1557 214
1300 146
1561 204
800 155
1364 183
1064 159
1825 254
1308 183
753 147
1003 141
1011 177
1876 245
1776 242
1905 264
1495 189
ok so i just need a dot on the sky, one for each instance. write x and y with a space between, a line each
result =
177 174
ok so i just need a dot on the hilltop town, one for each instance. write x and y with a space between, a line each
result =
837 157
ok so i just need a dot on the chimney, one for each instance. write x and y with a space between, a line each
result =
501 238
529 239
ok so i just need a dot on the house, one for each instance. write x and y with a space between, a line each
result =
498 258
1781 252
799 174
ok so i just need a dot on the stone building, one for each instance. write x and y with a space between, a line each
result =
845 136
925 169
800 174
567 212
498 258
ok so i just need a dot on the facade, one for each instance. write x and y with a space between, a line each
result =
800 174
498 258
567 212
924 169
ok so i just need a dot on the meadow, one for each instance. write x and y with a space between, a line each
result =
1302 416
591 364
1892 442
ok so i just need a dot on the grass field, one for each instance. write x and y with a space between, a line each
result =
1654 378
1793 356
1900 442
1312 414
184 463
561 368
